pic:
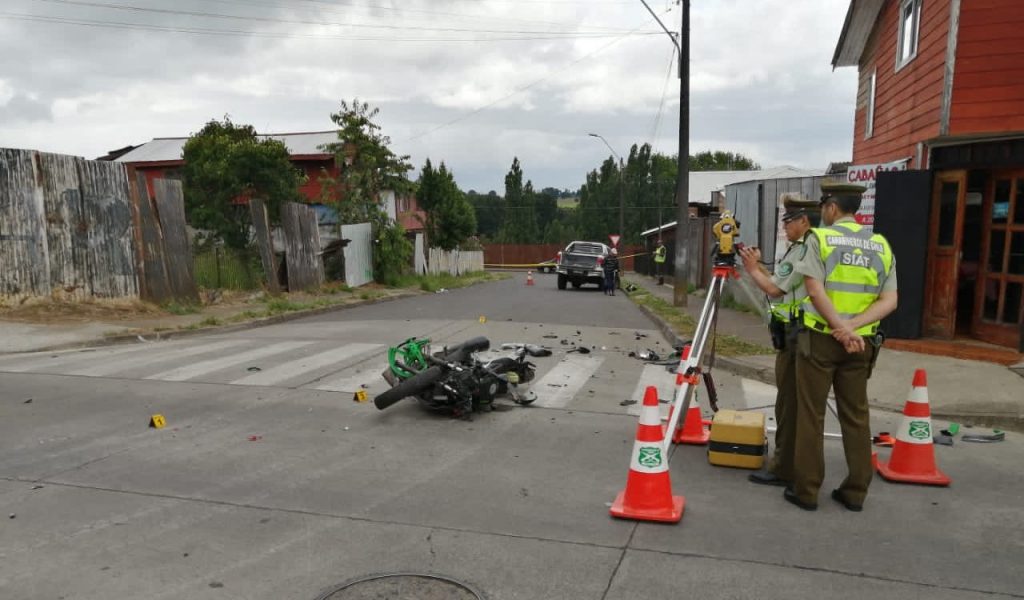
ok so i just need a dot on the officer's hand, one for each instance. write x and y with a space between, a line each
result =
751 258
847 336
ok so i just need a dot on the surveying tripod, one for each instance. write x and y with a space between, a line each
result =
688 373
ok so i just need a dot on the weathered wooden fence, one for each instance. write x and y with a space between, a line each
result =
265 243
65 227
302 246
163 259
358 254
455 262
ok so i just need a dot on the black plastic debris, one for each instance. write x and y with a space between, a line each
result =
627 402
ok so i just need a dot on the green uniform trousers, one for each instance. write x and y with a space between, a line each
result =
781 463
821 363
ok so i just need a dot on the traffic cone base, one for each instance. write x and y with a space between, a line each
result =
648 493
936 477
913 453
696 430
672 514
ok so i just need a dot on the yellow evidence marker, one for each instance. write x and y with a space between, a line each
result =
483 319
157 422
360 396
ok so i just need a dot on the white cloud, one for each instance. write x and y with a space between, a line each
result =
761 82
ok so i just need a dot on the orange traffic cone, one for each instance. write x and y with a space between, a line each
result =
529 278
913 454
693 428
648 494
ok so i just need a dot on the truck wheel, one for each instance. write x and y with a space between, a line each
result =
561 282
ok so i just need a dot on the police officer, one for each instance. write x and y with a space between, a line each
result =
850 276
787 293
659 261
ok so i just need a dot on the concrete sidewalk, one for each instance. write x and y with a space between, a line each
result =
972 392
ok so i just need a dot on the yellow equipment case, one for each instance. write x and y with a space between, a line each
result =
738 439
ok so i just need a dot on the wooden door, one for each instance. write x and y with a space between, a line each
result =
999 306
945 238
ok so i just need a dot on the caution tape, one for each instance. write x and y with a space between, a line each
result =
536 265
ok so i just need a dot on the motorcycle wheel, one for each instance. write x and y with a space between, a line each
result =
410 387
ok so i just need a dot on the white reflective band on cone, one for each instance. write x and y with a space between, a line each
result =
648 457
915 430
650 415
919 395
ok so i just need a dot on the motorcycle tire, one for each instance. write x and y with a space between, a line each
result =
410 387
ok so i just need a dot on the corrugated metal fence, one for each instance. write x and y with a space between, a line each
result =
66 227
358 254
455 262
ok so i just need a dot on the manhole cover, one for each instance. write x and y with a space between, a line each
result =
402 586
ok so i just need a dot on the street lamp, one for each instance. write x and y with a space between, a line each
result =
622 167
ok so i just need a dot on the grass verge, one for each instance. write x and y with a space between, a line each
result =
684 325
446 281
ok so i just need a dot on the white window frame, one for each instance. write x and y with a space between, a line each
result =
869 117
902 35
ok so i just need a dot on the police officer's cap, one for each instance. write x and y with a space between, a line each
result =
797 205
831 190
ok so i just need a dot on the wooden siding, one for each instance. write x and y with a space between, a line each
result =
908 102
988 84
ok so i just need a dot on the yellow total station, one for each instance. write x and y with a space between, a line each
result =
726 231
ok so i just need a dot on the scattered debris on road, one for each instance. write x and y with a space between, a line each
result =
996 436
254 369
255 438
627 402
29 401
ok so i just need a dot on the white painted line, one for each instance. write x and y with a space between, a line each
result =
209 366
42 361
152 356
560 385
657 376
306 364
365 374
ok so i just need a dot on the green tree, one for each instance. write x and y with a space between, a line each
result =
450 217
366 167
225 162
490 212
721 161
520 226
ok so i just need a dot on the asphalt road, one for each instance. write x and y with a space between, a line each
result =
270 482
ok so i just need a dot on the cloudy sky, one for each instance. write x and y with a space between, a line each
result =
470 82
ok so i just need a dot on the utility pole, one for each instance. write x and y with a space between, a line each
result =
682 274
622 201
682 254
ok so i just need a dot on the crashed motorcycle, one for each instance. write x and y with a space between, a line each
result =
456 379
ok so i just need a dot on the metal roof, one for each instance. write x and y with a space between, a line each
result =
859 23
703 183
170 149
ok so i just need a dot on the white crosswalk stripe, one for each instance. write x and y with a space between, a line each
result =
43 362
101 367
367 374
561 384
206 367
660 378
301 366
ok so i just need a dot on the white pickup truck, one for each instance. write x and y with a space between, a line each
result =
581 262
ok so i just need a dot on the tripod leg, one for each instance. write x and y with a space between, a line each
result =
684 392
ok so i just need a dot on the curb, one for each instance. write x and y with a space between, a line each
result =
734 365
168 335
742 368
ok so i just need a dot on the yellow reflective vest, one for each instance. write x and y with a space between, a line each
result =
857 263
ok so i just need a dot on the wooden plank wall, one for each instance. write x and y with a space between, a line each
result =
302 247
988 80
65 227
264 242
178 259
156 285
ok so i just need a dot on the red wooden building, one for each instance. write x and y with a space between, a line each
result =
162 158
942 87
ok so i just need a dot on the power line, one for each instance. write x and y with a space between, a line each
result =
523 88
477 17
168 11
271 34
661 105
